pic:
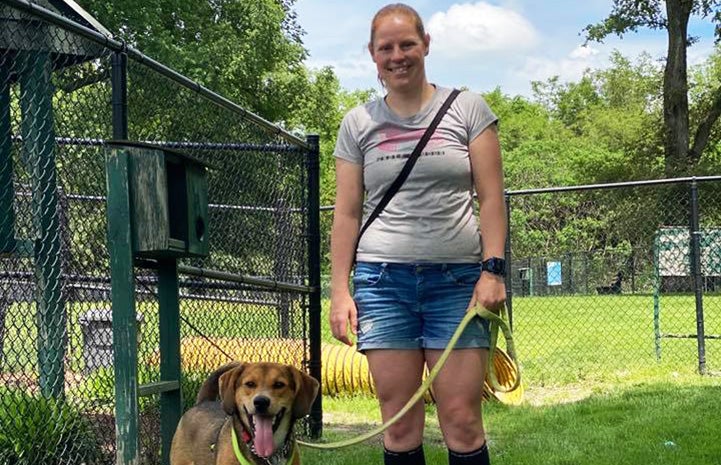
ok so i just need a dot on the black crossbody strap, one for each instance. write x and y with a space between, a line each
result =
401 178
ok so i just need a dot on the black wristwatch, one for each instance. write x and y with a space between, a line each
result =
494 265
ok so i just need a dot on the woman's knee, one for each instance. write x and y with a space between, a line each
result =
462 427
407 432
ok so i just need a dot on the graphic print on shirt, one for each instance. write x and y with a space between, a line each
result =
399 143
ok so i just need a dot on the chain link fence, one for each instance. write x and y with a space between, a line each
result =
60 106
605 280
603 283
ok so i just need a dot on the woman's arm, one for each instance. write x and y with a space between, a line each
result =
487 169
346 225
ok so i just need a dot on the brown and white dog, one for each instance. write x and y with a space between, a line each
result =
260 401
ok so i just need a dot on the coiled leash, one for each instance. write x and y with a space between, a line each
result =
496 322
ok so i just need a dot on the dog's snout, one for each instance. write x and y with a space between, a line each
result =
261 403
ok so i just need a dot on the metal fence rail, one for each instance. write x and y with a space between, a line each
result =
66 91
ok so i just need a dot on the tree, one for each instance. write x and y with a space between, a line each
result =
681 154
248 51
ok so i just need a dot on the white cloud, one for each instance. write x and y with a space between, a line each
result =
583 52
468 28
348 67
568 68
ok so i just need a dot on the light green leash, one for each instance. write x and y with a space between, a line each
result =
495 322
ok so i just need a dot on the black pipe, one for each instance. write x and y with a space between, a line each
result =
119 80
314 268
509 266
697 276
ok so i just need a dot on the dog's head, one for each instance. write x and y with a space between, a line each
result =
268 398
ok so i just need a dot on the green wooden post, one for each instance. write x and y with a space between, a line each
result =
171 406
125 339
36 94
7 215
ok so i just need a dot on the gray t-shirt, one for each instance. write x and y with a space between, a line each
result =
431 217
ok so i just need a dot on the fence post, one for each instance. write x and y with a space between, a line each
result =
37 127
314 307
171 402
7 192
7 214
120 95
125 333
509 263
697 276
281 264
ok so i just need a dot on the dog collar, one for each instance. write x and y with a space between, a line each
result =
236 448
241 458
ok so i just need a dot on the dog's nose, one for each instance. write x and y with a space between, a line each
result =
261 404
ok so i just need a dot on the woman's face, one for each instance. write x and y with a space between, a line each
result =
399 52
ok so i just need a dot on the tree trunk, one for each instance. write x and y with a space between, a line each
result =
675 89
703 132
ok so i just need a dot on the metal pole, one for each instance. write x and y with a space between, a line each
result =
281 265
314 298
7 192
119 76
697 277
36 102
656 294
509 267
7 215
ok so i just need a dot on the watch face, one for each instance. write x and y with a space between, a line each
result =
494 265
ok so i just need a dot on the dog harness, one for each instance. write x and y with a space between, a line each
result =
243 461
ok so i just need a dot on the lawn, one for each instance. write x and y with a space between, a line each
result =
671 421
595 390
596 393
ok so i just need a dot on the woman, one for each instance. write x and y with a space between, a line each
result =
418 268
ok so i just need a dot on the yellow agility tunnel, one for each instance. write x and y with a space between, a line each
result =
344 369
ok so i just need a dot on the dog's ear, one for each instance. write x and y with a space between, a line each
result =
226 387
306 388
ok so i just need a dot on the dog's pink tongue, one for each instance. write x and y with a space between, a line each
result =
263 440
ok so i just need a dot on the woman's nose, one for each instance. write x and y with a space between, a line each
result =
397 54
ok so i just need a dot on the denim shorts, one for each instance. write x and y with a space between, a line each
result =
416 305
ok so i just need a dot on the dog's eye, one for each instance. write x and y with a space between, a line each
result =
250 384
278 385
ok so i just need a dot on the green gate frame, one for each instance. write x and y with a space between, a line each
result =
143 184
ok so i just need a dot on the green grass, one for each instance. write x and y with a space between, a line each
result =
673 421
595 392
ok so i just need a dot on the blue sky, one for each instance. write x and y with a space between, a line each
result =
483 44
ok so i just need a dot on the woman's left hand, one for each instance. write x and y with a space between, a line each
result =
489 293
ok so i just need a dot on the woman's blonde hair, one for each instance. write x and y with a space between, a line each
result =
398 8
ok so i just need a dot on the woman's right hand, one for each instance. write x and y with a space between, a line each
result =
343 317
